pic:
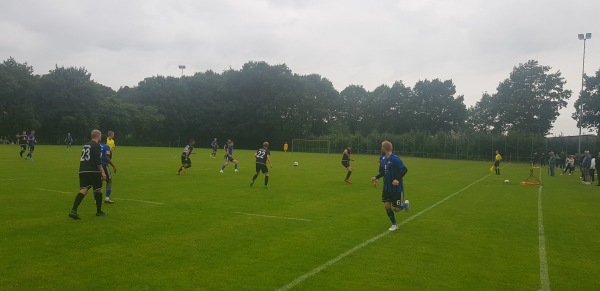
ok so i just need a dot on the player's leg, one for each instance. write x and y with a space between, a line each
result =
224 165
386 198
265 171
98 194
108 185
399 203
255 175
235 162
84 186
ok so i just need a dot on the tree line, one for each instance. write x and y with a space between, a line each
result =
269 102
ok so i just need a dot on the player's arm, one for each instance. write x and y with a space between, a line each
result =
187 154
96 160
401 170
109 161
269 160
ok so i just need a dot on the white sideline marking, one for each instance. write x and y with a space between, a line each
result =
358 247
48 190
544 278
269 216
143 201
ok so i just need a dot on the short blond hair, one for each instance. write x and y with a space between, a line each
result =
386 146
266 144
96 134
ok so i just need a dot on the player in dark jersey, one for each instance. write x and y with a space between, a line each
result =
23 143
186 162
215 145
346 163
31 142
263 155
105 160
69 140
91 174
393 170
229 158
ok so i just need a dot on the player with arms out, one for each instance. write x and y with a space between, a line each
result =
186 162
105 159
215 145
229 158
23 143
392 169
346 158
91 174
263 155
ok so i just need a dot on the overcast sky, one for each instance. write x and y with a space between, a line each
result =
369 43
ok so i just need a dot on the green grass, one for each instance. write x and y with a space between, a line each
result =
485 237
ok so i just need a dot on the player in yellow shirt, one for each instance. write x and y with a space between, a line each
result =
110 141
285 147
497 162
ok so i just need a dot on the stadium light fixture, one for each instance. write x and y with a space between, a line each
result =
583 37
182 67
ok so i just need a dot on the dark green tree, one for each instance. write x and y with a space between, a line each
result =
434 106
17 97
589 100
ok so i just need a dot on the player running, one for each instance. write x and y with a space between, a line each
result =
393 170
229 158
346 158
105 159
31 142
186 162
215 145
91 174
23 143
263 156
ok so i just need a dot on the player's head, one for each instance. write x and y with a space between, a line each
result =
96 135
33 131
69 133
265 144
231 143
349 146
24 132
497 151
110 134
215 138
386 147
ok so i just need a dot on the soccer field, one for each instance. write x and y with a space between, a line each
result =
466 229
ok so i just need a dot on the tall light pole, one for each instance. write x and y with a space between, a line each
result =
583 37
182 67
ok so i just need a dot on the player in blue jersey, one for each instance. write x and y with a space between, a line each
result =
31 142
186 162
23 143
229 158
392 169
69 140
263 155
105 160
215 145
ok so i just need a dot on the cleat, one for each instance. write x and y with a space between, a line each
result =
177 173
251 183
406 205
236 170
347 181
74 215
221 171
108 201
183 170
101 214
393 227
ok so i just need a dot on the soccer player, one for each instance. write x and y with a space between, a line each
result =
31 143
186 162
215 146
346 163
91 174
392 169
106 160
69 140
229 158
23 143
497 160
263 155
110 141
285 147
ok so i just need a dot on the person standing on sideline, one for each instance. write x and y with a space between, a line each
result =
229 158
586 162
497 160
593 170
263 155
31 142
110 141
346 158
23 143
105 160
285 147
186 162
392 169
215 145
551 162
69 140
91 174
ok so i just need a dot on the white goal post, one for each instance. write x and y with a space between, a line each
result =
310 145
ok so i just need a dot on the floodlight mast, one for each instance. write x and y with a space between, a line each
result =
583 37
182 67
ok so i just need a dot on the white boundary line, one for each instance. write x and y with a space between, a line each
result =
55 191
269 216
365 243
544 278
143 201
